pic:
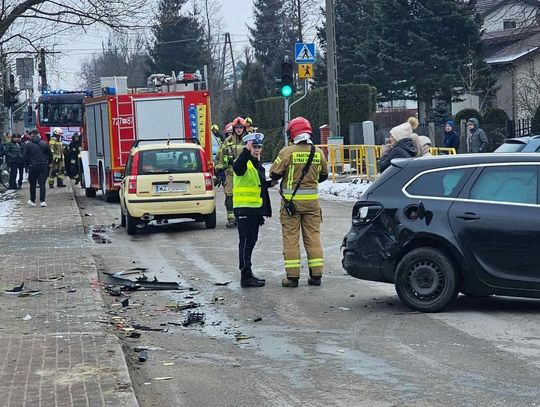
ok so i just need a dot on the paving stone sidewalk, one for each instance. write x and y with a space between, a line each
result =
53 352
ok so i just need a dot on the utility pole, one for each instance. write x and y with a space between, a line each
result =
331 65
228 41
42 69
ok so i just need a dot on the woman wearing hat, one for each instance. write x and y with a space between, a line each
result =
251 203
401 144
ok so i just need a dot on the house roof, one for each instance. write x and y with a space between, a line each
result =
506 52
484 7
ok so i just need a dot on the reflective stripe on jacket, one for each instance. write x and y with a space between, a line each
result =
247 189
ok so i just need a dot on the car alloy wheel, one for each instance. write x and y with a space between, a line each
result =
426 280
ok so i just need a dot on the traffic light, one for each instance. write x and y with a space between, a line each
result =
286 79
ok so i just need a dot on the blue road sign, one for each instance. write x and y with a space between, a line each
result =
304 53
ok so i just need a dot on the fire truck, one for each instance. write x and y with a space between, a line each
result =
60 108
176 106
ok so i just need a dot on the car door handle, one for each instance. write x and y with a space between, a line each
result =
468 216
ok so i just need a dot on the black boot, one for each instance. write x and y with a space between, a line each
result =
60 183
313 280
290 282
248 280
255 277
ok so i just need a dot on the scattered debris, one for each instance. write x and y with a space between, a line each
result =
50 279
182 307
15 290
344 309
219 299
88 214
147 328
164 378
28 317
340 351
143 355
258 319
29 293
241 337
72 290
144 283
194 318
352 295
114 291
133 334
176 323
223 283
168 364
125 303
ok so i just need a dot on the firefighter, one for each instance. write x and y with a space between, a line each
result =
57 167
215 132
249 125
228 152
251 203
300 207
74 149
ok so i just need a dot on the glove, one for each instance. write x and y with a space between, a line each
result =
220 174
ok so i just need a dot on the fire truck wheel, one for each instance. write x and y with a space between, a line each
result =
90 192
210 220
122 218
131 224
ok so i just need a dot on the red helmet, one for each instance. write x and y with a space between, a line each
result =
228 128
297 126
239 121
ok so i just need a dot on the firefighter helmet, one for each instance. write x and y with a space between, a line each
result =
58 132
249 122
215 128
298 126
228 128
239 121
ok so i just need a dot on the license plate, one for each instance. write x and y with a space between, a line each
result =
174 187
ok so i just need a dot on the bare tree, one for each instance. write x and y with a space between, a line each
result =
35 21
528 92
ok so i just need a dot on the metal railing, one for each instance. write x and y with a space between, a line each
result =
361 160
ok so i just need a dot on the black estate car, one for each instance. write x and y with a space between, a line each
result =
442 225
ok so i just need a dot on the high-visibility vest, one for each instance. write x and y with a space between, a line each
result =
247 189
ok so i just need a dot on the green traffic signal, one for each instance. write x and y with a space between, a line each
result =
286 91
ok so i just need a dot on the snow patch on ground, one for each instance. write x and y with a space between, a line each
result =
9 215
346 191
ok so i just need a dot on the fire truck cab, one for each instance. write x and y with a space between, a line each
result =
176 106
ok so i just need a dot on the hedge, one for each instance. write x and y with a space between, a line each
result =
357 102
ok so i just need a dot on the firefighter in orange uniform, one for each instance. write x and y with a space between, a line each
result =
300 207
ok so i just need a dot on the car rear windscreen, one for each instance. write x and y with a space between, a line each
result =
514 147
169 161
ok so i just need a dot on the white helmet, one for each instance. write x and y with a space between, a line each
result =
58 132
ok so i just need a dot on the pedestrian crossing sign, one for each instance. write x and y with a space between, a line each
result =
305 71
304 53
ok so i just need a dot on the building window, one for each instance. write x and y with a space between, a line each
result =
509 24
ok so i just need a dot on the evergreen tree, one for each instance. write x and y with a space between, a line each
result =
268 39
251 89
179 39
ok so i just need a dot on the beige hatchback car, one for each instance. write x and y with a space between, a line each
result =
166 179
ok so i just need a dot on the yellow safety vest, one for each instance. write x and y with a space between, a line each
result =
247 189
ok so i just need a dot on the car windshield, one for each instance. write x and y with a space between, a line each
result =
60 114
511 147
169 161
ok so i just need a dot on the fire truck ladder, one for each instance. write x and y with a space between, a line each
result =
121 126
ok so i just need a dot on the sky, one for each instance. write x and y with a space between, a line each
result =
64 68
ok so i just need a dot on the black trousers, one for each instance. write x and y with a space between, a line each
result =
248 232
13 169
38 173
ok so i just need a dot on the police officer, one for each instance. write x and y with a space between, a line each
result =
300 209
251 202
228 152
57 166
74 149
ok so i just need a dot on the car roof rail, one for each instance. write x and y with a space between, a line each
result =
168 140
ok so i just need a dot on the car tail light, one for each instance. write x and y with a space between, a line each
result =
365 212
132 184
135 165
208 179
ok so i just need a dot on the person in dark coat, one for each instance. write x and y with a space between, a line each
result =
451 138
37 156
400 143
14 159
251 202
477 139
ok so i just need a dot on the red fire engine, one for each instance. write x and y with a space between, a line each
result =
170 107
60 108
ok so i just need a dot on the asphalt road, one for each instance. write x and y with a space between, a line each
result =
346 343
